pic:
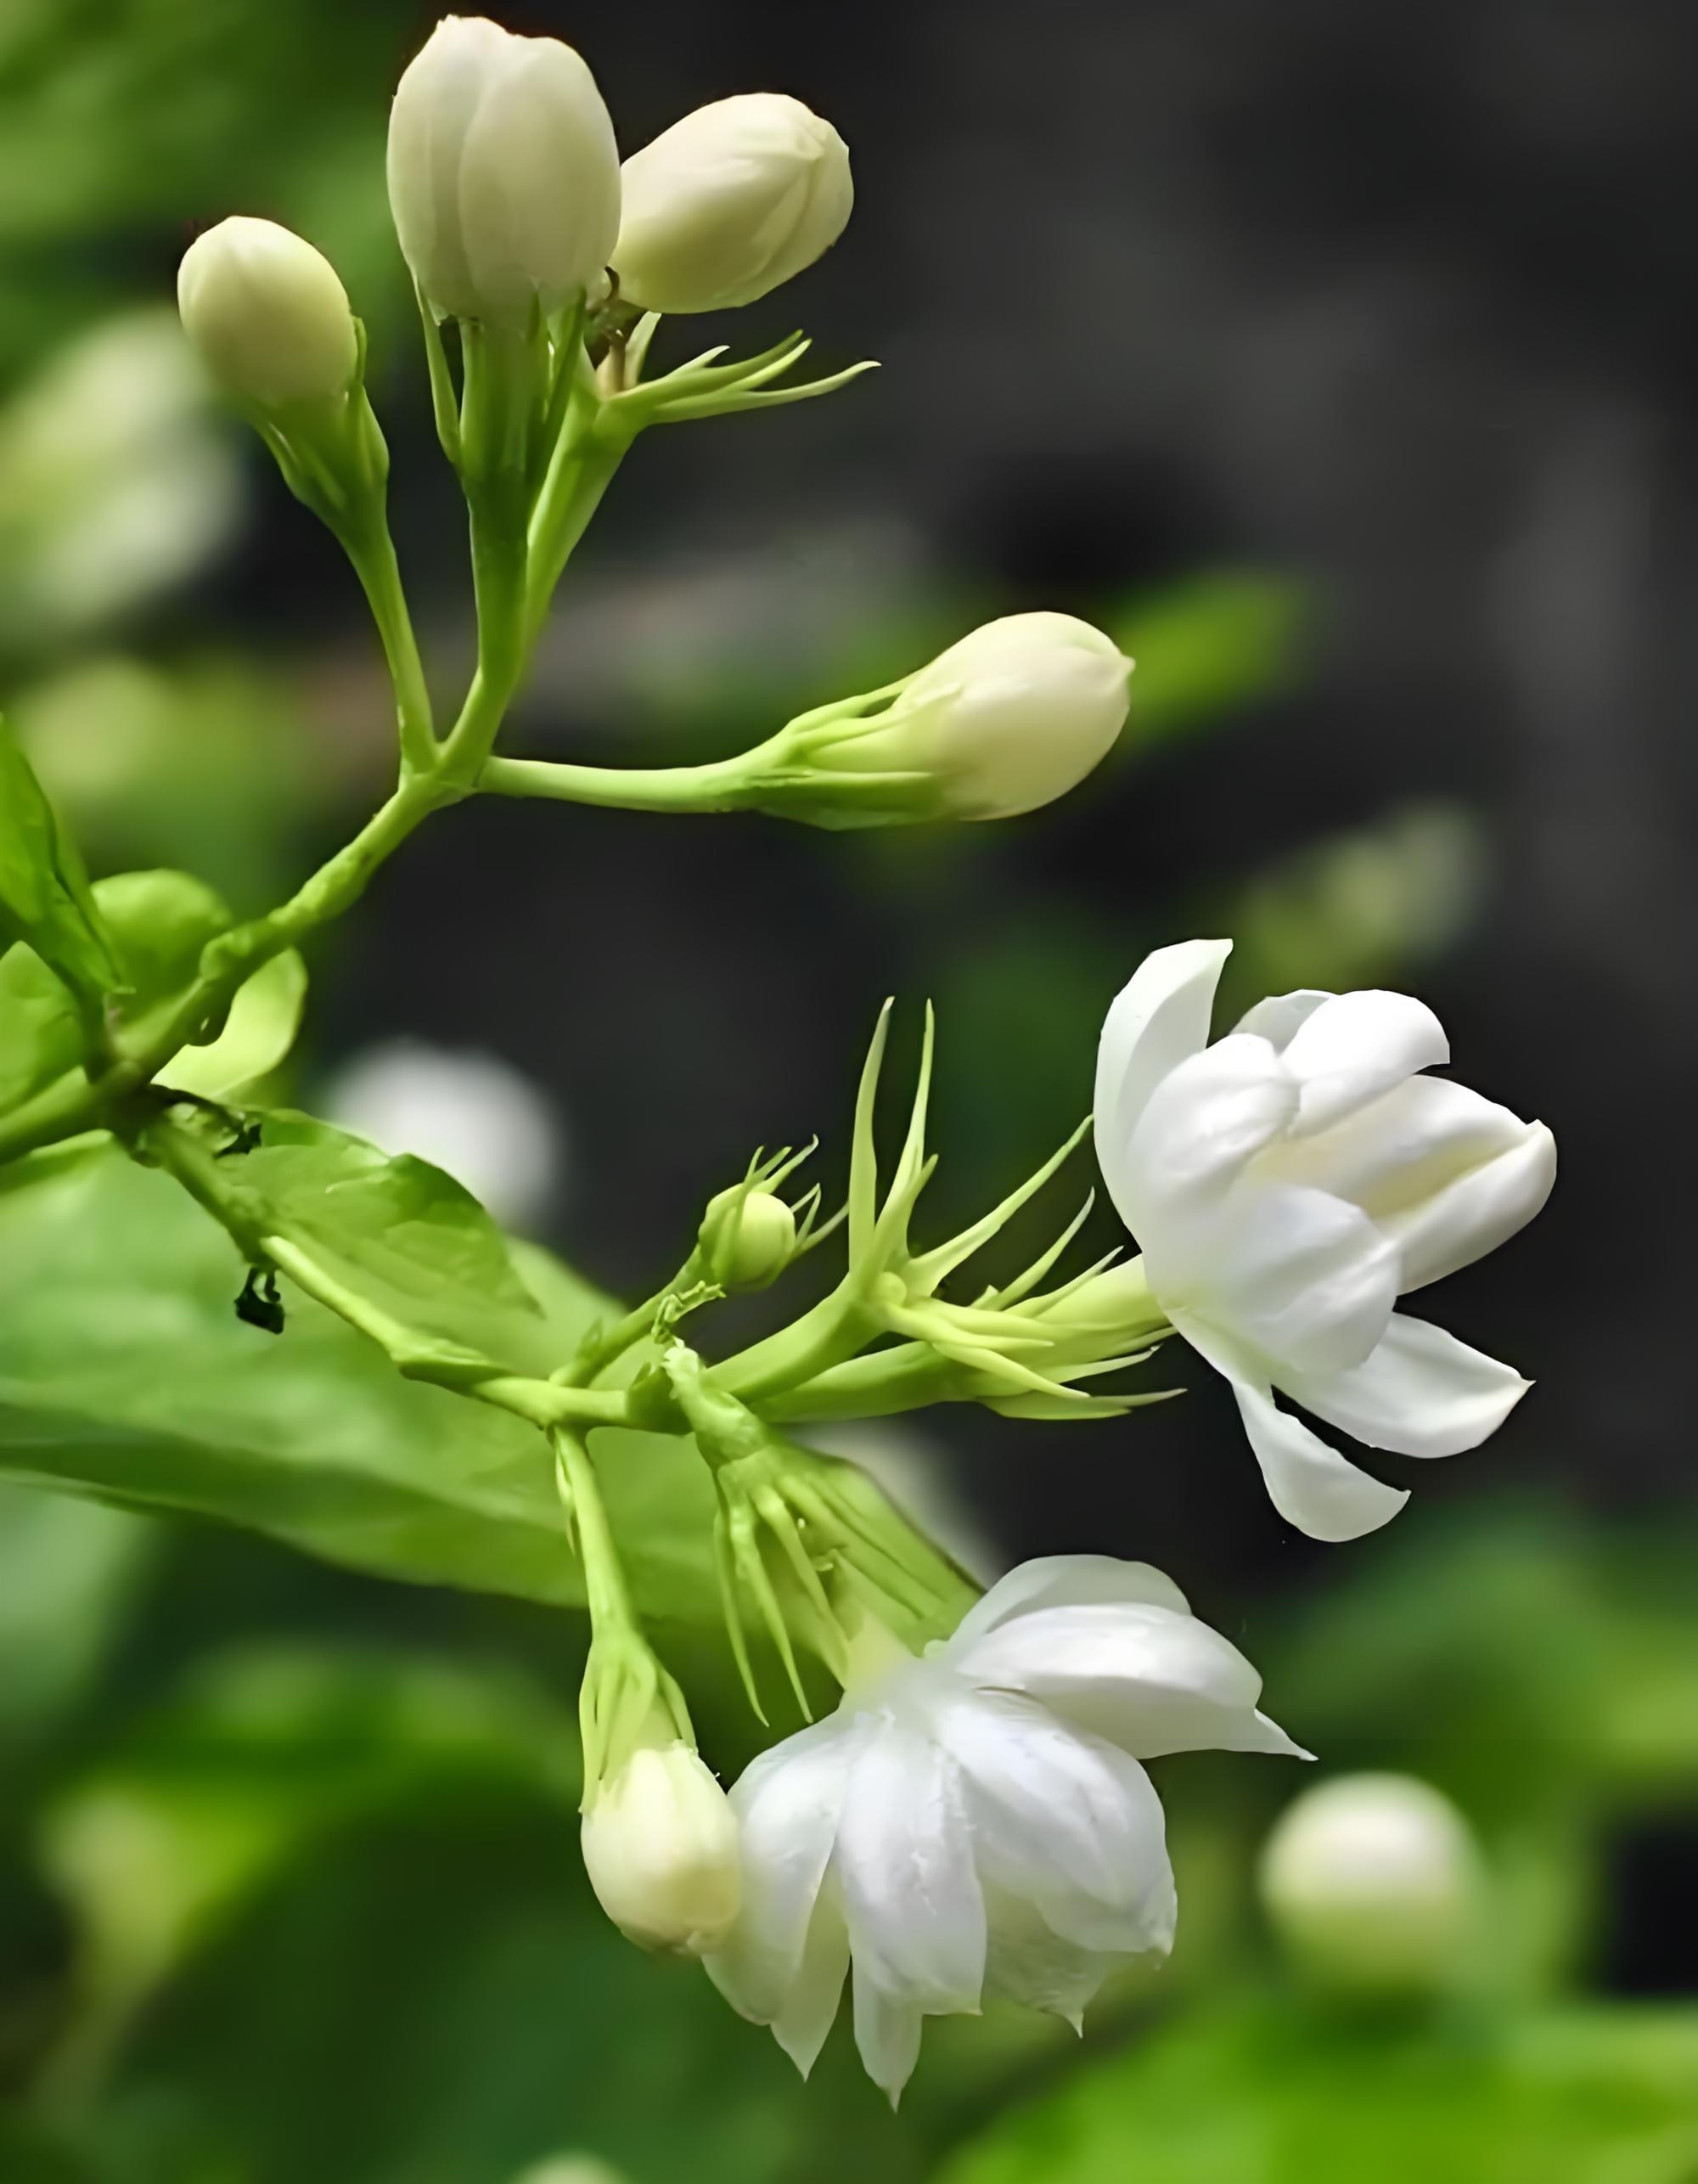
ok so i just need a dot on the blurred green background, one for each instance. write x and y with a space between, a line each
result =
1261 338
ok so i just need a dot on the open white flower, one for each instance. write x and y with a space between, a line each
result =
1286 1186
978 1821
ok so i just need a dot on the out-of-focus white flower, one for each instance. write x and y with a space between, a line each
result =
472 1116
503 174
1286 1186
1374 1883
115 481
979 1820
1012 717
659 1845
729 203
267 314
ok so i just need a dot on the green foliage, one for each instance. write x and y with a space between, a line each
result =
156 924
1218 641
124 1374
1272 2096
44 895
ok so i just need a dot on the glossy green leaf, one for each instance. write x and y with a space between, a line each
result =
257 1035
124 1374
44 892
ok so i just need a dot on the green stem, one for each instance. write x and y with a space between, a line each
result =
833 1331
726 785
605 1587
372 552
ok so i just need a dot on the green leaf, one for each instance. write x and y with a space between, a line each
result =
124 1374
67 1573
44 892
424 1269
257 1035
1281 2096
158 923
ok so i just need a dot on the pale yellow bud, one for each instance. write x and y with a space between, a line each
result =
267 315
661 1847
1010 717
748 1238
730 202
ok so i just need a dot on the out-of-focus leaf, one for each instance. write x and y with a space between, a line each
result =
257 1035
260 1756
1357 909
1281 2098
44 894
442 1980
67 1573
1213 642
210 764
28 2155
124 1374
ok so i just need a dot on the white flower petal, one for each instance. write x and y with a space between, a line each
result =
1309 1483
1420 1393
1029 1962
1306 1279
1357 1046
1159 1018
788 1805
1145 1678
1277 1017
905 1857
1477 1211
1063 1820
1064 1581
887 2034
1202 1124
811 2007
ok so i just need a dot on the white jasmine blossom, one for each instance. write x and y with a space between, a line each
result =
660 1846
504 173
1286 1186
730 202
979 1820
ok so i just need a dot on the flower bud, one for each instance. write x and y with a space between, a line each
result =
1011 718
730 202
1372 1882
267 315
661 1847
503 174
747 1238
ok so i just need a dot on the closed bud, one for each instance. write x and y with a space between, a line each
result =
1011 718
661 1847
267 315
503 174
1372 1882
730 202
748 1238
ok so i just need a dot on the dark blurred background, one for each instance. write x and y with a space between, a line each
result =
1341 361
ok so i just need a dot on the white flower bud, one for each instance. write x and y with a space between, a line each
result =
267 314
748 1238
1372 1882
503 174
1011 718
661 1847
730 202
